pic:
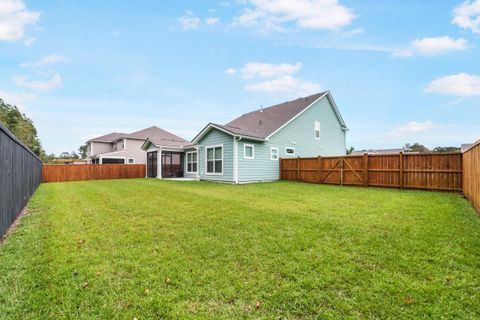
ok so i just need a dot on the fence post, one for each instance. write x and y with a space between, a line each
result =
298 169
341 171
319 169
401 169
365 169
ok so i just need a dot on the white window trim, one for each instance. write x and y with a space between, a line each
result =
245 146
206 160
130 158
271 153
290 154
186 162
315 130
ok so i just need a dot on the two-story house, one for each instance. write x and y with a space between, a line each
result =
122 148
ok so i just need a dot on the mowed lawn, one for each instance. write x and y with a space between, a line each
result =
151 249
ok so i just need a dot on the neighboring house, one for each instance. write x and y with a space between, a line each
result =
68 161
377 151
466 147
248 148
125 148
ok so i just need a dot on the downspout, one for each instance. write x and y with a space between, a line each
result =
197 148
235 160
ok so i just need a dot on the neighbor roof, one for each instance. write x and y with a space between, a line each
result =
159 137
377 151
111 137
262 123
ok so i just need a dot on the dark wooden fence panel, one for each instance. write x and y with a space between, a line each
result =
73 172
438 171
471 183
20 175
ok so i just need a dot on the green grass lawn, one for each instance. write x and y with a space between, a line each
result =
151 249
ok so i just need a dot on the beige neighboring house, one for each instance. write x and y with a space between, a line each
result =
123 148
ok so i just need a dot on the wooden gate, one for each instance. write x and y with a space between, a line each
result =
344 170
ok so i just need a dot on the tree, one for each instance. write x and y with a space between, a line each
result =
447 149
416 147
74 155
22 127
64 155
82 151
350 150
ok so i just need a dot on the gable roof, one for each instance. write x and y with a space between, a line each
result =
466 147
377 151
159 137
263 123
109 138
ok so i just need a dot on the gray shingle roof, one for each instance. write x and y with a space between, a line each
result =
159 137
111 137
376 151
262 123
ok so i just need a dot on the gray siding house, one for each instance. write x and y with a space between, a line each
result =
248 148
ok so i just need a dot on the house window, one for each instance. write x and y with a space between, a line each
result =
215 160
191 162
317 130
273 153
290 151
248 151
131 160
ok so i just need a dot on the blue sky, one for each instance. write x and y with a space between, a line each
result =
400 71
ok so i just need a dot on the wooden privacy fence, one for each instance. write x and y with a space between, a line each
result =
434 171
471 172
20 175
72 172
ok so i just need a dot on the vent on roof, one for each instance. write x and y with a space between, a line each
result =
260 122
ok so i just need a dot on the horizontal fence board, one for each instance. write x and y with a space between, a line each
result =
471 167
72 172
433 171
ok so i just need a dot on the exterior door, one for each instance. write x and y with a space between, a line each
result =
152 164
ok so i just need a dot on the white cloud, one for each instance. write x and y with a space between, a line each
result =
467 15
412 128
461 85
189 21
29 41
37 85
286 84
18 99
212 21
272 15
267 70
14 17
46 60
231 71
432 46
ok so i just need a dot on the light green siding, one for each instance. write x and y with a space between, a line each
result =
214 138
299 134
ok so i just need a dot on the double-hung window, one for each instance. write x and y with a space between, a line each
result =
317 130
192 162
273 153
215 160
